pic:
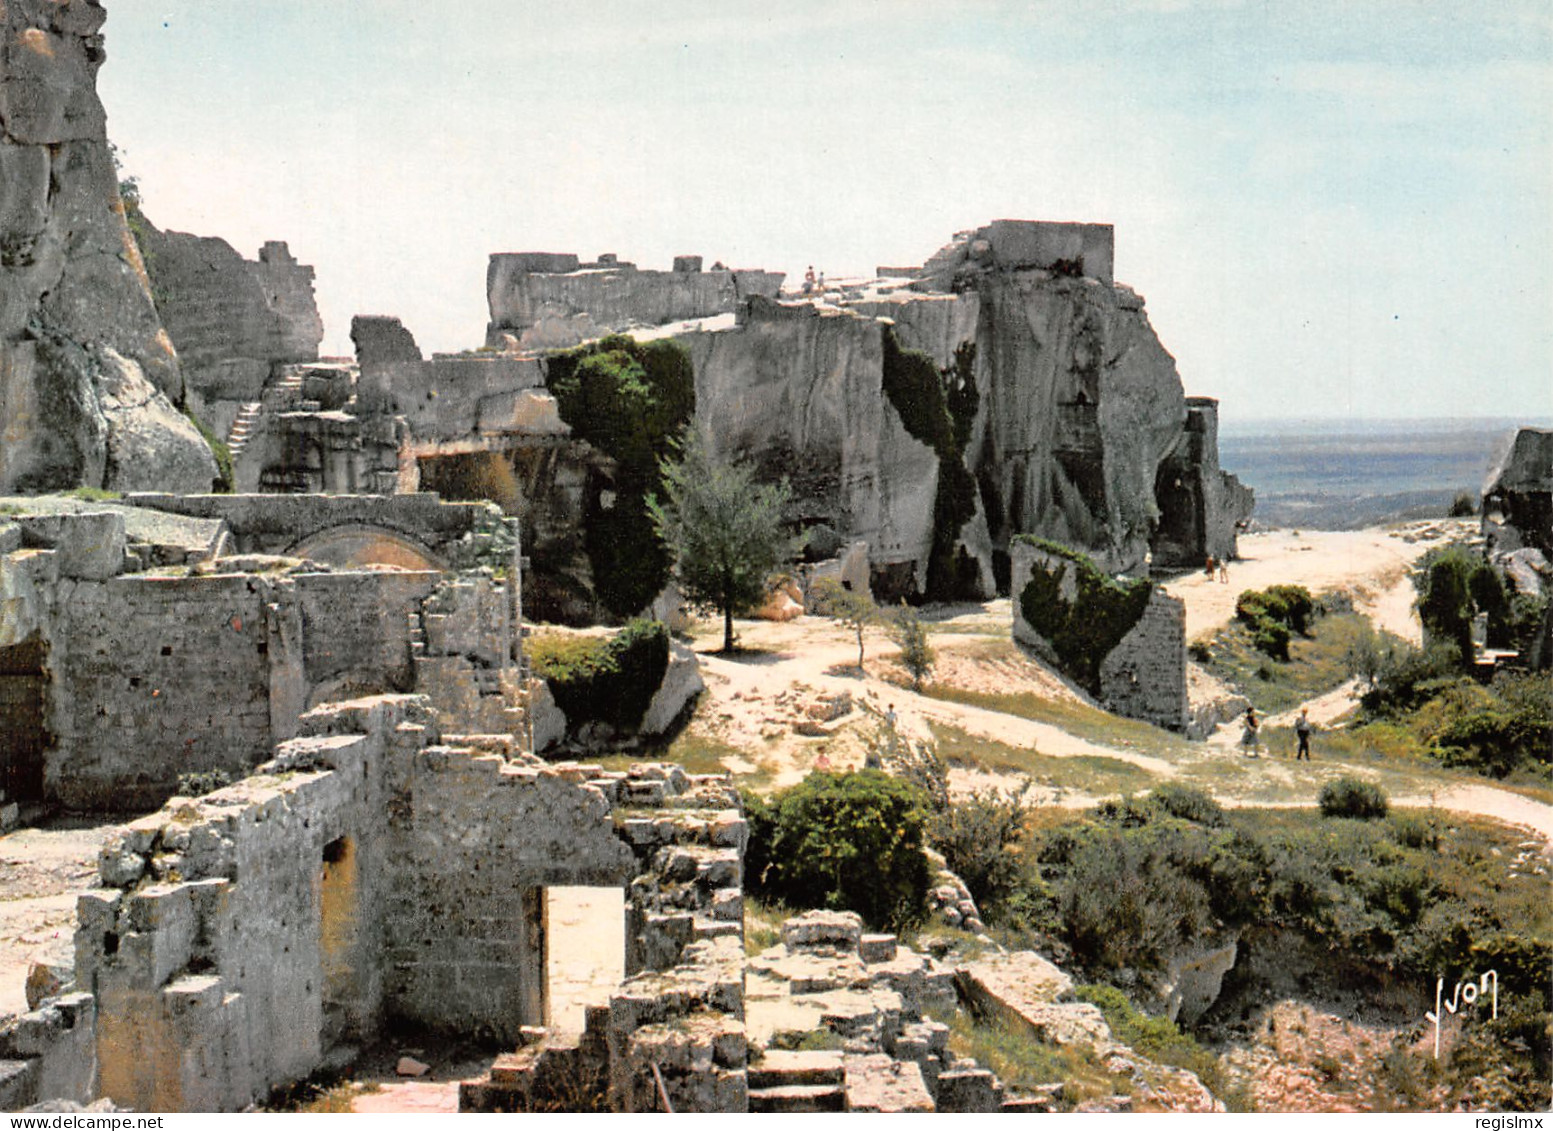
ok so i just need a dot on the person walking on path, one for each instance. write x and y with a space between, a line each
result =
1250 739
1224 571
1302 729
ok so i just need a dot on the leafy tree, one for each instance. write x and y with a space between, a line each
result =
631 400
908 631
1445 596
853 609
1463 505
723 529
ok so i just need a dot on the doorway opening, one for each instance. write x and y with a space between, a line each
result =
585 940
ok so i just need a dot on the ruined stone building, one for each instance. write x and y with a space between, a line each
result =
1080 430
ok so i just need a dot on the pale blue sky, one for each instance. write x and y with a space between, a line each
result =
1333 209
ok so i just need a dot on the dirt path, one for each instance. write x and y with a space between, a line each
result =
760 700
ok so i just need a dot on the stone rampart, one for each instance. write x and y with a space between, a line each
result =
547 302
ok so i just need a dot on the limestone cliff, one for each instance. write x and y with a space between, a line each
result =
799 391
1080 408
88 377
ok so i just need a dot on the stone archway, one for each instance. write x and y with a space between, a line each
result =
358 545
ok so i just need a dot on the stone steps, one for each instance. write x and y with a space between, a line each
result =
798 1098
779 1068
243 426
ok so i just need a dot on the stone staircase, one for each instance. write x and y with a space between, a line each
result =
281 395
243 426
797 1082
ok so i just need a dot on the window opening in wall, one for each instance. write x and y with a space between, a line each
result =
585 946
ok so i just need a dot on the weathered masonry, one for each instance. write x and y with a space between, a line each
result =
132 651
373 872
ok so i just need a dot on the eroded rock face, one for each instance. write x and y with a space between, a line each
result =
231 319
799 391
88 377
1518 504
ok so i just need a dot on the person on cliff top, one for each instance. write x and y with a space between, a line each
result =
808 280
1302 729
1249 738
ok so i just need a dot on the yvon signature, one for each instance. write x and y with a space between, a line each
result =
1467 993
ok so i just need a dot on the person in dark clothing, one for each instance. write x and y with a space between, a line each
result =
1302 729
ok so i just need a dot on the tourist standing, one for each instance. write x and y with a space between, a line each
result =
1251 738
1302 730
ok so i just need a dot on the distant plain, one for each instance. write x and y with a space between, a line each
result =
1349 474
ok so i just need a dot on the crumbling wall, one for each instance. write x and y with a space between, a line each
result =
207 948
159 676
233 320
482 839
369 872
1144 677
546 301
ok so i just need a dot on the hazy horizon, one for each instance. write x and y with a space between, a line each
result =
1333 211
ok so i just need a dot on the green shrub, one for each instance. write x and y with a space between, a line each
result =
849 842
631 400
198 783
1187 803
982 838
1274 614
610 680
1444 584
1084 631
1464 505
1350 797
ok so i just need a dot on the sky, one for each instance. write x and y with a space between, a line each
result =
1333 209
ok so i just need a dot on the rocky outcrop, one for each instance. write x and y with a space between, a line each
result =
1518 503
542 300
799 391
88 377
232 320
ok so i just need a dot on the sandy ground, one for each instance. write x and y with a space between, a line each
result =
788 671
41 872
1370 563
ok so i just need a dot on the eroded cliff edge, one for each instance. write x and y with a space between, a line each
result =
89 380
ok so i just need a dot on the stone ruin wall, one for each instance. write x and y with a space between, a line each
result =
395 878
1082 433
148 677
234 321
543 300
1144 676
